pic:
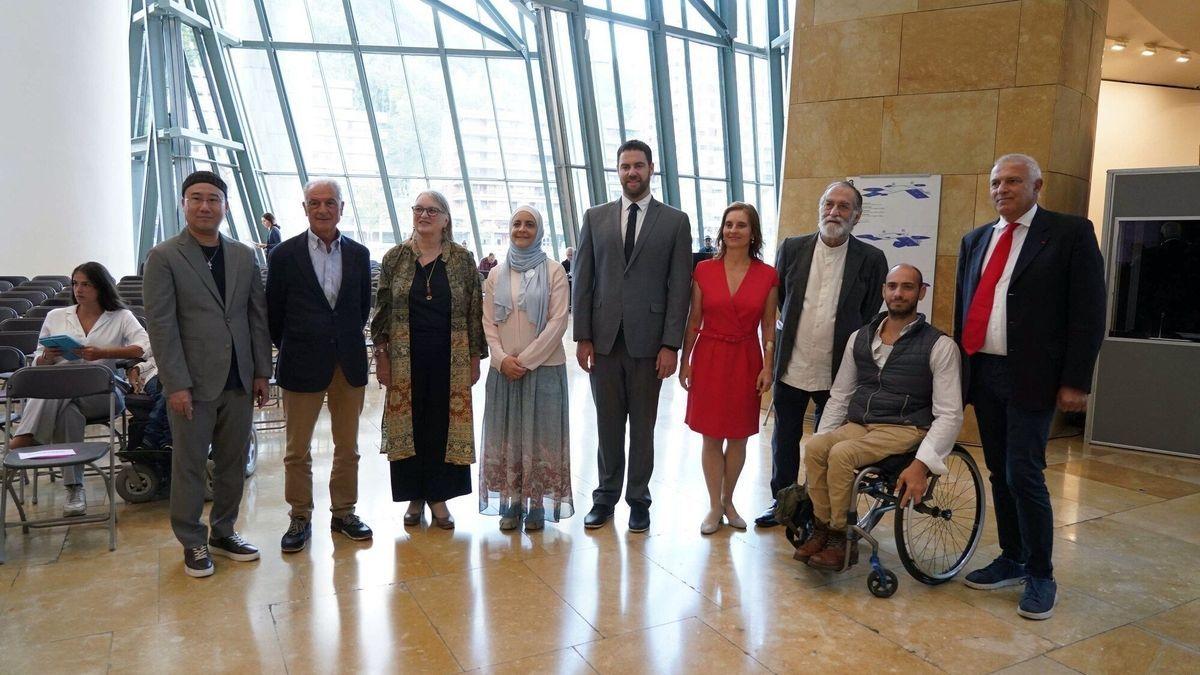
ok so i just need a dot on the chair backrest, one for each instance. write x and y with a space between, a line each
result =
5 286
18 305
131 277
60 278
61 381
11 359
27 342
14 280
34 296
40 284
23 324
37 312
56 302
7 313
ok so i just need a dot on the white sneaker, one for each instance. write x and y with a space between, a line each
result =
76 502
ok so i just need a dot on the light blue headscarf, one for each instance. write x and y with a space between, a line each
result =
531 263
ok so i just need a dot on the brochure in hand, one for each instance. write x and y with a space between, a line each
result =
65 343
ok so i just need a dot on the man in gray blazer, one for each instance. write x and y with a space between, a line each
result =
632 283
207 318
830 285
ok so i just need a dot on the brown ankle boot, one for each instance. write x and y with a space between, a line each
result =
813 544
833 556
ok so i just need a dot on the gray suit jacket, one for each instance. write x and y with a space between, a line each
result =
648 298
858 301
193 331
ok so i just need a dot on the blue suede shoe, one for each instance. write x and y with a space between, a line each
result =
1038 601
999 573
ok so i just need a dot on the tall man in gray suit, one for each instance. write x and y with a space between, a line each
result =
207 318
828 288
632 282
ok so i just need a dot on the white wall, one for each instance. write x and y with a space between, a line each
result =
1141 126
64 137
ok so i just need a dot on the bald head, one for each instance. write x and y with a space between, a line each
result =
902 290
906 272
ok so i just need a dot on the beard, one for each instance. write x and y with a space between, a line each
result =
836 229
634 188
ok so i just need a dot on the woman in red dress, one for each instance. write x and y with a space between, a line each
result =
725 369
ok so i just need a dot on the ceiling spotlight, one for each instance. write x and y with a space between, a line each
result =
1183 57
1149 50
1118 45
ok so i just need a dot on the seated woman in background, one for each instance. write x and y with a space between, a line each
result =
526 468
109 333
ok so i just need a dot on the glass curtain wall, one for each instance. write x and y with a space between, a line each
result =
392 97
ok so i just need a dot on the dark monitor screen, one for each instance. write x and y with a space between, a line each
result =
1158 279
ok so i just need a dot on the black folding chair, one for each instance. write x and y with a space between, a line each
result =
50 287
130 277
18 305
24 324
34 296
26 341
7 313
63 381
14 280
57 302
5 286
62 279
38 312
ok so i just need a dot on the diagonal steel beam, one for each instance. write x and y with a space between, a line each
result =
509 31
717 23
473 23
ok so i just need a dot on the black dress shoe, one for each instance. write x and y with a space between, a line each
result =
297 536
233 547
197 562
598 516
639 518
351 526
767 519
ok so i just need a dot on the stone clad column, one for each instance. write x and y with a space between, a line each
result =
943 87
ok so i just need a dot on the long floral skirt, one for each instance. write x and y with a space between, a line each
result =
526 445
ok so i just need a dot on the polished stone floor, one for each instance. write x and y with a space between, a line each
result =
568 600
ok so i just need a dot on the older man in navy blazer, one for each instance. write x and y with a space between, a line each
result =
1029 313
318 300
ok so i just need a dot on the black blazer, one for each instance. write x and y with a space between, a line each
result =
1055 305
311 335
858 302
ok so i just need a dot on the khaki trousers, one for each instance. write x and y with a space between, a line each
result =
832 459
302 410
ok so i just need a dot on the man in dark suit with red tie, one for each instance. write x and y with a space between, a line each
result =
1029 313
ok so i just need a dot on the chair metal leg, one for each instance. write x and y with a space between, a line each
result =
34 485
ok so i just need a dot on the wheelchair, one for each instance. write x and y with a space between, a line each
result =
935 539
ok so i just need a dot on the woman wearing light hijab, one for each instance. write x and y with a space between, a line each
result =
526 468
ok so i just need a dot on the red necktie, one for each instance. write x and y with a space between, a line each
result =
975 327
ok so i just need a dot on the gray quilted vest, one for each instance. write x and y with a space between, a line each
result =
902 391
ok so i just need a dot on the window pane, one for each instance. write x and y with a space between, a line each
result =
746 105
238 17
286 196
314 125
566 85
706 94
288 20
635 8
459 35
515 118
491 211
262 110
415 21
680 108
394 114
694 20
328 19
769 215
600 49
373 219
404 193
461 226
713 200
673 12
349 113
476 120
374 22
687 201
637 89
432 115
766 132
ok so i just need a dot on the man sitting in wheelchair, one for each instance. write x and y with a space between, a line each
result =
898 385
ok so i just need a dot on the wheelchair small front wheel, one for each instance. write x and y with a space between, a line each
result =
882 585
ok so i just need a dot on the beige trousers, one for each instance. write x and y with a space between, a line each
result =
832 459
302 410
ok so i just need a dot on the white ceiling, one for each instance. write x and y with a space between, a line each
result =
1172 23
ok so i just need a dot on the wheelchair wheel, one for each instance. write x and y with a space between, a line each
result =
935 545
138 483
882 585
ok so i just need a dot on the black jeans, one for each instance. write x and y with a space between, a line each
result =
1014 448
790 405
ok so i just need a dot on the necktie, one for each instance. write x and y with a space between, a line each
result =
975 327
630 231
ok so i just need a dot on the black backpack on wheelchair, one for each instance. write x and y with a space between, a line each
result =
794 510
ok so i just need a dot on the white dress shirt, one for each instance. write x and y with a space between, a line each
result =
944 363
811 365
643 204
327 263
118 328
995 340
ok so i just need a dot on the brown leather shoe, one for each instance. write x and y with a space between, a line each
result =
814 544
833 556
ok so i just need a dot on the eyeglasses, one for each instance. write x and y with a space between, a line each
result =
431 211
211 202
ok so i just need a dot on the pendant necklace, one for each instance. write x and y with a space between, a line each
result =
429 279
209 260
